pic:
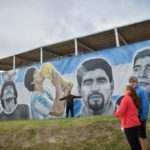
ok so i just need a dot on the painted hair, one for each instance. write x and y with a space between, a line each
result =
142 54
28 79
91 65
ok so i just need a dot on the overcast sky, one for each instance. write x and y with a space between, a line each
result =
27 24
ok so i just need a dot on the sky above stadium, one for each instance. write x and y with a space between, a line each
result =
28 24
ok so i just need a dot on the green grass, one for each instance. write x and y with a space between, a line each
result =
87 133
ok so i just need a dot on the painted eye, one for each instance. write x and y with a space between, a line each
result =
88 82
137 69
102 80
148 68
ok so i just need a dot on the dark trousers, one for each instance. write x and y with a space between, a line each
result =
142 130
132 137
68 108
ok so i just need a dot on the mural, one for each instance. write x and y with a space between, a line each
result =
9 94
42 101
141 69
98 78
96 85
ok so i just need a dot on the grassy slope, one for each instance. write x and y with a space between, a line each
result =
89 133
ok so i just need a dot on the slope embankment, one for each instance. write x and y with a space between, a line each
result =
88 133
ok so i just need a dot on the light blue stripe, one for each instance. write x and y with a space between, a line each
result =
115 56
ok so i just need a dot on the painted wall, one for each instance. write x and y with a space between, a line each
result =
98 77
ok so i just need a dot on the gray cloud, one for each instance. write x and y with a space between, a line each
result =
33 23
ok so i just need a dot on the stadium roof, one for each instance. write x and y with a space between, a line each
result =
107 39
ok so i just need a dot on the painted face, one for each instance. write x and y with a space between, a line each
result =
8 93
141 70
96 89
37 77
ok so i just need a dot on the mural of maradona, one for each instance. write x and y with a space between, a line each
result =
96 85
42 103
9 94
141 69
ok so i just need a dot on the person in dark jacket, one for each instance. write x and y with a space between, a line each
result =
69 103
128 112
143 111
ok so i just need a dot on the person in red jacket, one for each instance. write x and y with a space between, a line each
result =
128 111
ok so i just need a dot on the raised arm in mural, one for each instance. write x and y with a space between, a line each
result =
95 85
62 85
9 75
43 104
11 110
